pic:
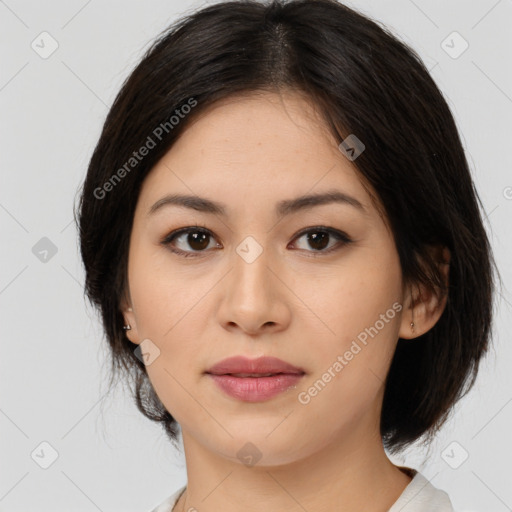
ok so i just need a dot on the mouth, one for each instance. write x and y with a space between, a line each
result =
254 380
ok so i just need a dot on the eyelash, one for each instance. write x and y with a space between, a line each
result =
343 240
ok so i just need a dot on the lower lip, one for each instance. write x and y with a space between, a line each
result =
256 389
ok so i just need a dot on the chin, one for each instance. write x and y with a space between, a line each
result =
256 448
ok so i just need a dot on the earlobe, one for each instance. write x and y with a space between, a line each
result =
409 325
130 325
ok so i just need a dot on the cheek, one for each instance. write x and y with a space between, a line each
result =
351 367
161 294
343 300
356 318
170 311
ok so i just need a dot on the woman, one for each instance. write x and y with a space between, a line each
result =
280 230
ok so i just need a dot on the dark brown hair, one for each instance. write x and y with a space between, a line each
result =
364 81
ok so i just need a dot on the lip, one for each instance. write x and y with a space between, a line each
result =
254 388
265 364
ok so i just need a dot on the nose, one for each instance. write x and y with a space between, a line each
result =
254 297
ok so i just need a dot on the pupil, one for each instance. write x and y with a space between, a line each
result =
318 238
197 240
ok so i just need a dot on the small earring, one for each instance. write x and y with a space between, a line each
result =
412 326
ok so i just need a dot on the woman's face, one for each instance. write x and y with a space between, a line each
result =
257 284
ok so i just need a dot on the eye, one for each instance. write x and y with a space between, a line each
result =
198 239
319 237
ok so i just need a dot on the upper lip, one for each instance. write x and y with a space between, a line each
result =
241 364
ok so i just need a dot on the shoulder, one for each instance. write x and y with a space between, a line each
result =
421 496
169 502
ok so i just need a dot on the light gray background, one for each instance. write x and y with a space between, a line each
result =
52 365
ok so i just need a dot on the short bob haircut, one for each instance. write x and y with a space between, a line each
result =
363 81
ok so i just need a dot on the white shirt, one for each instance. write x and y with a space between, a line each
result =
419 496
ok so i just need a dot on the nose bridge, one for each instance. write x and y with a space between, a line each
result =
251 299
251 274
254 299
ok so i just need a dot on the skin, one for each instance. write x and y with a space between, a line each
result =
250 152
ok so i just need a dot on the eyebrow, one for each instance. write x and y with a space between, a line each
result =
283 208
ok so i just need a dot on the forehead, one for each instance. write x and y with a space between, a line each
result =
256 149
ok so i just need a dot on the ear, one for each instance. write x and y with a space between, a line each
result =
130 319
422 306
